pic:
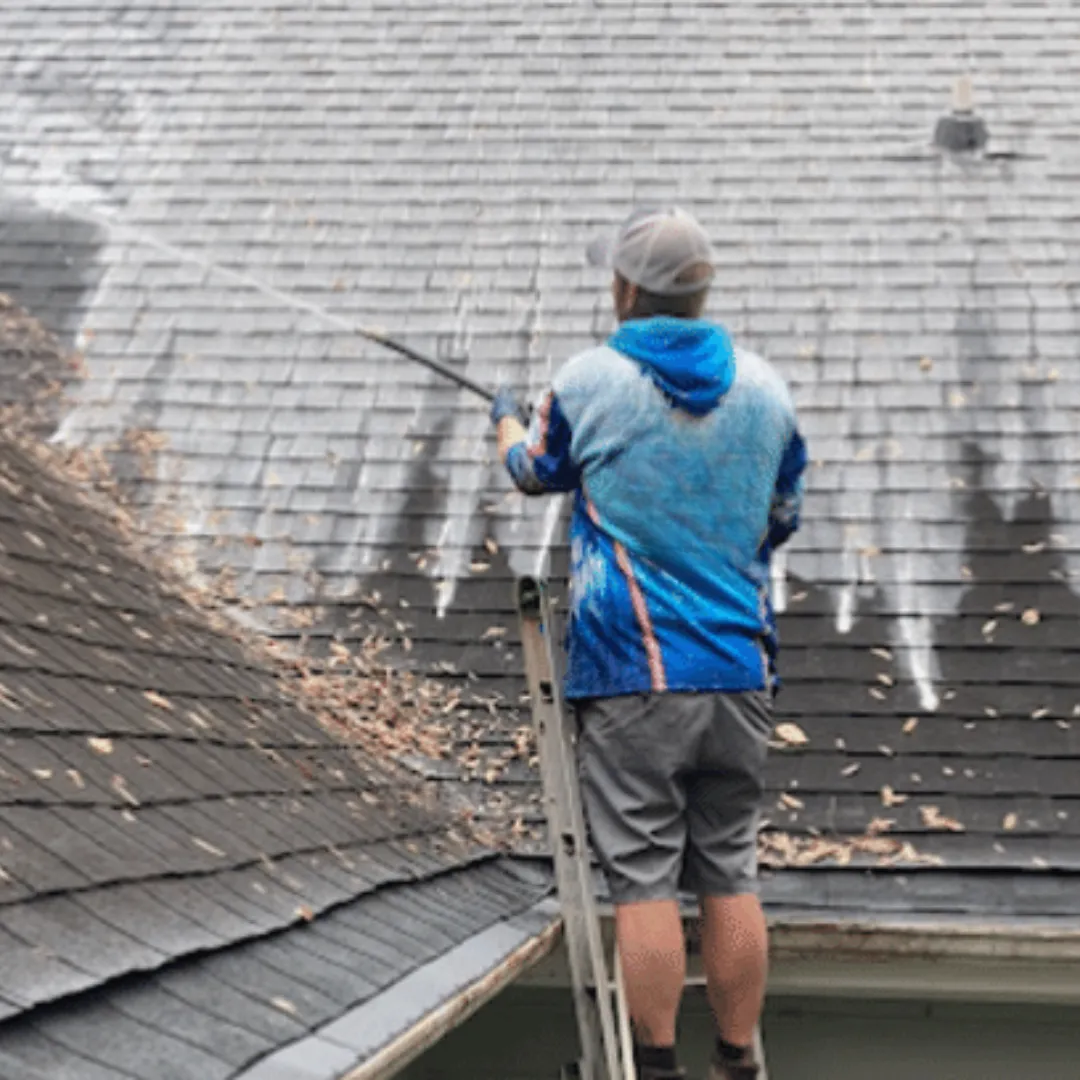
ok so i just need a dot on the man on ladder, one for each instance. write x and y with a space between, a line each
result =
687 465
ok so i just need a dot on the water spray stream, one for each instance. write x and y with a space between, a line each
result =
286 299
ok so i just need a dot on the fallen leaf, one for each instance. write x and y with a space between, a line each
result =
882 654
100 745
1030 617
304 912
850 770
1034 548
989 627
925 363
790 801
42 774
493 632
76 778
285 1005
492 547
1039 714
910 724
933 818
1009 822
156 699
119 785
208 847
891 798
791 734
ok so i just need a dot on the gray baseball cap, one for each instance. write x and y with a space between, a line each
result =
654 248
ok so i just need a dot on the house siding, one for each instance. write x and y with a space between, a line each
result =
528 1034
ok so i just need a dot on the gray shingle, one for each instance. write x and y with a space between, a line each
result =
128 1046
166 1012
72 933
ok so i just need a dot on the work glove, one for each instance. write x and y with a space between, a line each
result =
506 405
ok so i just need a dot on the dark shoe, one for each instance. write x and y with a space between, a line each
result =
726 1071
645 1073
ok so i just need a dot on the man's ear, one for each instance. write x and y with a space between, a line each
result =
625 296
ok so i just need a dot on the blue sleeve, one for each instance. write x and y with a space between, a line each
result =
542 463
788 495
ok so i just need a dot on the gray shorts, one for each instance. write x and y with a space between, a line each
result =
672 786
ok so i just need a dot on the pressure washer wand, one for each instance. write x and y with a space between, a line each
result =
377 335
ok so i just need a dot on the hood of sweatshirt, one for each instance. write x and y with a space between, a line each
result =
690 360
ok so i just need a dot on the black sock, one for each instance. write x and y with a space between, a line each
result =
655 1057
729 1053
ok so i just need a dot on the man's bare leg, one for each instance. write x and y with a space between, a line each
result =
653 954
735 949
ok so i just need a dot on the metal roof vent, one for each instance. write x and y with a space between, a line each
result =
961 131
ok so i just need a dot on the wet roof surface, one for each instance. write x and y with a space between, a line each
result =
440 172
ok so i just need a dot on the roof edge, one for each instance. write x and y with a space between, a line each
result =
424 1034
379 1038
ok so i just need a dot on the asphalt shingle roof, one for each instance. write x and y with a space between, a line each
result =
439 170
171 818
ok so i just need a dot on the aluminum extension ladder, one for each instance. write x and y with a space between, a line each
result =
599 1002
603 1020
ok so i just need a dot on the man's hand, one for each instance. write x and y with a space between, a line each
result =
507 405
510 420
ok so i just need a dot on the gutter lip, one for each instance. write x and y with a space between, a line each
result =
911 934
856 937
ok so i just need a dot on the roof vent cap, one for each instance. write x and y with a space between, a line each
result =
961 131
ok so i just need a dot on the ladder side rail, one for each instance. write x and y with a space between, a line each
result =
552 774
592 987
584 895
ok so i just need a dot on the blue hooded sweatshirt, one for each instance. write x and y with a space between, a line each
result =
688 465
